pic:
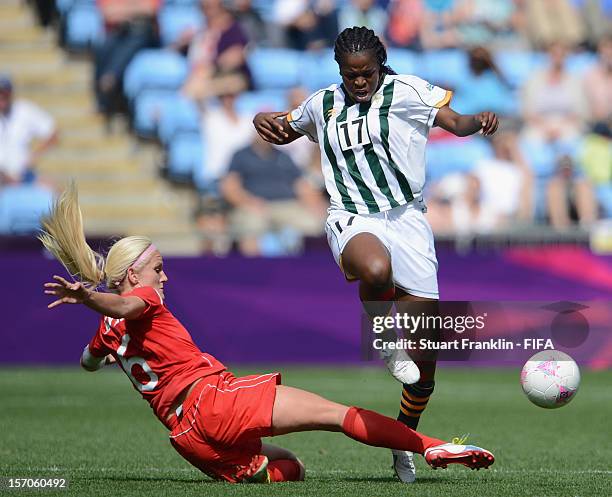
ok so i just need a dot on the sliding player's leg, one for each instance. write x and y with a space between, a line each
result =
299 410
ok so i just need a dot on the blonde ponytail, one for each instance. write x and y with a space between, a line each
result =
64 237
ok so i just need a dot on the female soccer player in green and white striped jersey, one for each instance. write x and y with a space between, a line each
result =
372 130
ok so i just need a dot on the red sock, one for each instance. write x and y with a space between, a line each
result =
371 428
284 470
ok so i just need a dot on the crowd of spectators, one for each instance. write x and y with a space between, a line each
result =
550 163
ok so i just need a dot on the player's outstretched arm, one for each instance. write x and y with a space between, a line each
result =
107 304
274 128
464 125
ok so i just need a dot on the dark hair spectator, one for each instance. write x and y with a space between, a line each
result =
308 25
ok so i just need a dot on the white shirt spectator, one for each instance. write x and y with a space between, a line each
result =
24 123
500 185
223 137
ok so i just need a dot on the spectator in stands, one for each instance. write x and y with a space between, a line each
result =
495 195
251 22
598 18
553 101
554 21
225 131
439 25
304 153
405 24
363 13
267 192
130 27
22 122
308 25
218 55
596 161
45 11
598 83
569 196
485 88
483 22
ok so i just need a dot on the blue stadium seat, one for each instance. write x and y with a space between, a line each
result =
275 68
318 70
154 69
64 6
147 110
518 66
541 157
185 157
265 8
250 103
176 18
83 26
457 156
443 67
580 63
178 115
604 196
402 61
21 207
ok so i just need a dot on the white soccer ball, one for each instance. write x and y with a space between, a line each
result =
550 379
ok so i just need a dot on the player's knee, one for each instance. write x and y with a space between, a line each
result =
377 272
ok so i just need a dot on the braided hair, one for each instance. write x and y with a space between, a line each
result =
359 39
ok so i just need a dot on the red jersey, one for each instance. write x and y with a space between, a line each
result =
155 351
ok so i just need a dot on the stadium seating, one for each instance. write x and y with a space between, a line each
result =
250 103
177 115
275 68
147 110
154 69
84 25
604 196
178 17
403 61
21 207
445 67
318 70
455 156
185 157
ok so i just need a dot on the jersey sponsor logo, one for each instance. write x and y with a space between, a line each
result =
353 133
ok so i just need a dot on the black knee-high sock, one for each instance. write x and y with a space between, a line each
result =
414 401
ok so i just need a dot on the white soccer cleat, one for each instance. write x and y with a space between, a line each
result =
403 465
401 366
471 456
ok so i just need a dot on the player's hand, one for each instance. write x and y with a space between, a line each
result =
67 293
270 127
488 121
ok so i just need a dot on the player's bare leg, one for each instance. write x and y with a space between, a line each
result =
298 410
366 258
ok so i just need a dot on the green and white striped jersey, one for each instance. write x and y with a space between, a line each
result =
372 154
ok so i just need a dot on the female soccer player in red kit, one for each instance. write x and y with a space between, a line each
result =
216 420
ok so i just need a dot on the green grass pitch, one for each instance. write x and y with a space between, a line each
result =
94 429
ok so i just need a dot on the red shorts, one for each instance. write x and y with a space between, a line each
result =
222 421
